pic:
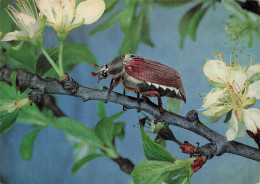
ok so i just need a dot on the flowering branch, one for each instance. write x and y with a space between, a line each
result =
218 144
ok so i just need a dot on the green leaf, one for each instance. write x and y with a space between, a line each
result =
214 119
252 79
171 3
108 23
7 106
166 133
180 180
7 120
145 34
155 172
228 116
154 151
133 35
7 92
184 23
101 112
119 130
84 161
5 47
105 129
13 79
110 5
17 58
250 40
80 148
128 15
173 105
78 1
7 24
161 141
117 115
78 130
26 146
74 53
195 21
43 64
155 128
16 64
32 115
216 84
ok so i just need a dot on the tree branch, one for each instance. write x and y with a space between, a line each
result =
218 144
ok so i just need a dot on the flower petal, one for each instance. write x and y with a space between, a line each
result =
252 119
252 69
241 130
29 23
237 78
233 127
90 10
12 36
47 7
213 97
216 70
213 110
254 90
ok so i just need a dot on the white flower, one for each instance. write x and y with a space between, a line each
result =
26 18
219 72
235 95
64 16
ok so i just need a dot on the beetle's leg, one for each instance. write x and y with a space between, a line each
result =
152 94
138 101
135 91
112 80
160 106
112 85
124 109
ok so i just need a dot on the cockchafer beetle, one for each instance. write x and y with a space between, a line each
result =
140 75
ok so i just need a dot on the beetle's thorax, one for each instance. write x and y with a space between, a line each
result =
116 67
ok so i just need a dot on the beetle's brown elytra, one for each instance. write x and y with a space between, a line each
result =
140 75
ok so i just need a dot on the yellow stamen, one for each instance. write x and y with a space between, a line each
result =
1 33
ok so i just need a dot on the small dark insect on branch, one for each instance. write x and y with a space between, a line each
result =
218 144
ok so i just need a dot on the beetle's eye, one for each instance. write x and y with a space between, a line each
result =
132 56
104 73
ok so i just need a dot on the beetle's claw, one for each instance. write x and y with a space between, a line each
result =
124 109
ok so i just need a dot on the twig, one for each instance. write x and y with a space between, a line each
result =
218 144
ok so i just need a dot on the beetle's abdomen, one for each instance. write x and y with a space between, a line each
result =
155 77
132 84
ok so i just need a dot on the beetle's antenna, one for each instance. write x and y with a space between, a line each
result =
93 74
94 64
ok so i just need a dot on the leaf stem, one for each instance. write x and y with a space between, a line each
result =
61 59
50 60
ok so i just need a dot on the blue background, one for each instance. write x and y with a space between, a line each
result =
52 156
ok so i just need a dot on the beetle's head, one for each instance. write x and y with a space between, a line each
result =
102 72
114 69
